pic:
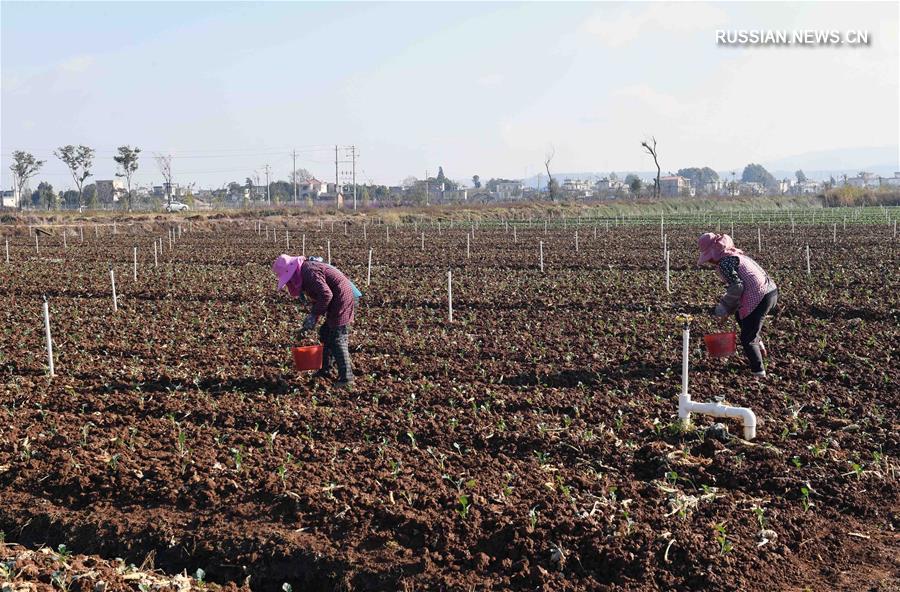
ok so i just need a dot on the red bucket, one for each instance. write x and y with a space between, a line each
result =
720 345
307 357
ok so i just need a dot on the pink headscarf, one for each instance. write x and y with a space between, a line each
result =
287 269
715 246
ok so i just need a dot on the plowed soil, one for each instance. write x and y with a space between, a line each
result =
532 444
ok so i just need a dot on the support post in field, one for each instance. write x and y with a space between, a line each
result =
287 240
732 229
541 248
303 247
112 280
81 233
65 242
450 296
423 242
668 284
387 234
48 337
329 251
545 226
7 251
665 242
365 235
369 271
155 259
808 270
468 251
834 233
595 231
135 265
515 238
758 240
267 234
274 235
37 248
576 241
345 229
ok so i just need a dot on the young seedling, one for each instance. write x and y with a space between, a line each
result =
804 498
721 536
464 505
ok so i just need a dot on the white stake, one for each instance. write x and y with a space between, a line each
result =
450 296
423 242
155 260
329 252
834 233
758 240
515 238
369 272
65 242
668 285
595 231
287 240
267 234
303 248
576 241
345 229
112 279
81 233
37 248
542 255
135 265
808 270
48 337
468 252
274 235
365 235
387 234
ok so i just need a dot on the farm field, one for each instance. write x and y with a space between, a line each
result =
530 444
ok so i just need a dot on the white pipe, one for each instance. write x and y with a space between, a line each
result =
423 242
48 337
135 264
758 240
65 242
81 232
542 256
112 279
36 247
155 259
576 241
287 240
7 251
365 235
450 295
808 270
686 406
515 239
329 251
369 272
303 248
468 249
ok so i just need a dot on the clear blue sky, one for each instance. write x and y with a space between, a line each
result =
478 88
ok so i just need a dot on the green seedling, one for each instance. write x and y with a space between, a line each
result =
722 538
464 504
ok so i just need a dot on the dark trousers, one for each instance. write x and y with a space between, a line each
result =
750 327
336 346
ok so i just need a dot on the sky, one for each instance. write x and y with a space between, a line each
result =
477 88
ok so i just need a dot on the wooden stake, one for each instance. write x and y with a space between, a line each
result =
450 296
48 338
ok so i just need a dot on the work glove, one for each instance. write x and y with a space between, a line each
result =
720 311
310 322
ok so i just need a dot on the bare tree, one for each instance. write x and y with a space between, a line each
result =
300 176
24 167
79 159
128 162
551 186
164 162
652 152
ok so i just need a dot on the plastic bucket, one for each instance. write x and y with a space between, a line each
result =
720 345
307 357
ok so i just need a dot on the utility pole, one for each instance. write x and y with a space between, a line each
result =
268 196
336 190
426 187
353 156
294 177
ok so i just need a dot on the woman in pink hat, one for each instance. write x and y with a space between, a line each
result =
333 295
751 294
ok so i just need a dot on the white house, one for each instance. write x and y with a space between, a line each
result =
890 181
8 199
109 191
863 180
311 188
508 190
